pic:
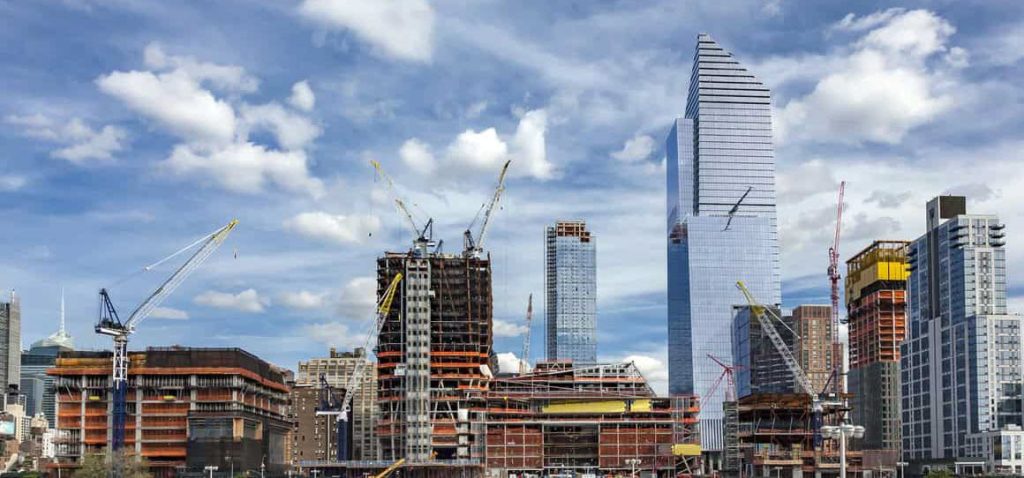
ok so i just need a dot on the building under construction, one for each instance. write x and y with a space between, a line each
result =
776 438
876 300
434 356
187 408
599 420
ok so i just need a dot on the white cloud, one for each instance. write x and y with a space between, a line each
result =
292 131
403 29
654 369
302 96
82 143
805 180
529 149
417 156
881 89
335 228
504 328
481 151
476 109
303 299
509 363
358 297
334 334
637 148
223 77
169 313
11 183
246 167
246 301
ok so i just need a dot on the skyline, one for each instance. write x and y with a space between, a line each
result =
597 111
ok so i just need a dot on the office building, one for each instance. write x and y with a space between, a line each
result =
36 361
570 283
316 437
721 223
10 344
188 408
876 303
435 356
961 366
759 366
813 327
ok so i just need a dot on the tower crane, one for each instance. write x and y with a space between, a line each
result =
473 247
111 324
422 236
764 316
833 277
526 338
341 409
728 372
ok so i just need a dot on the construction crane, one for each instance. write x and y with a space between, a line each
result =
111 324
524 360
764 316
833 277
473 247
727 374
422 236
390 469
341 409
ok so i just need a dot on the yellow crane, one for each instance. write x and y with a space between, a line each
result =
390 469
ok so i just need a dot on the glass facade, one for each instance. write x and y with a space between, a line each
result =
720 152
571 293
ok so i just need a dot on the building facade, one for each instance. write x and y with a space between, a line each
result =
570 282
316 437
187 408
813 327
721 223
10 344
759 366
876 303
435 356
961 366
36 361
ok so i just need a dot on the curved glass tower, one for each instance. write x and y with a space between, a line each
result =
721 222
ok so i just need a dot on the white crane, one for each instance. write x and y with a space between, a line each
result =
422 237
110 324
525 359
341 411
473 247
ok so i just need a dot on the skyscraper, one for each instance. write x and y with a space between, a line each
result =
960 366
813 327
571 287
10 344
721 221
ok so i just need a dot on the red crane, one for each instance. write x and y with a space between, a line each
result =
727 373
833 277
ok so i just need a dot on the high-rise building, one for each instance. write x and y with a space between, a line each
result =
759 366
813 327
961 368
34 364
571 284
876 303
721 222
435 356
317 437
10 344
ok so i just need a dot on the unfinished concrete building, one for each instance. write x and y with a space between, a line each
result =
187 408
876 301
435 356
600 420
776 438
315 437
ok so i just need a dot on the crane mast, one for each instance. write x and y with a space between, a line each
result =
523 361
833 277
422 237
110 324
473 247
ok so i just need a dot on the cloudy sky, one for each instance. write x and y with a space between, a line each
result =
128 128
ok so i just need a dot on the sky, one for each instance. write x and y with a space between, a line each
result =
130 128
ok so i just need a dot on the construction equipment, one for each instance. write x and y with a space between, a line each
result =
341 409
422 236
833 277
764 316
110 324
727 373
524 360
390 469
473 247
735 208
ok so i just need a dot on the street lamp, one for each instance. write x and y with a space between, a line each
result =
211 469
632 462
842 433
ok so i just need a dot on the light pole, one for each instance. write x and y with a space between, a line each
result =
632 462
901 464
842 432
211 469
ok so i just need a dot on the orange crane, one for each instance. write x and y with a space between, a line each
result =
833 277
524 360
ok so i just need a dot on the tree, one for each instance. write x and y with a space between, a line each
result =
98 466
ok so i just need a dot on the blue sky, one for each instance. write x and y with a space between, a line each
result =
131 127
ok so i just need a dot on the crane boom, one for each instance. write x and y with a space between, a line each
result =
759 311
380 315
474 246
523 361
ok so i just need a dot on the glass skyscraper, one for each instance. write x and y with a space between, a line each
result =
571 293
721 221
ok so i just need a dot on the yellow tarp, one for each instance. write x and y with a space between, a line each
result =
605 406
685 449
641 406
882 270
